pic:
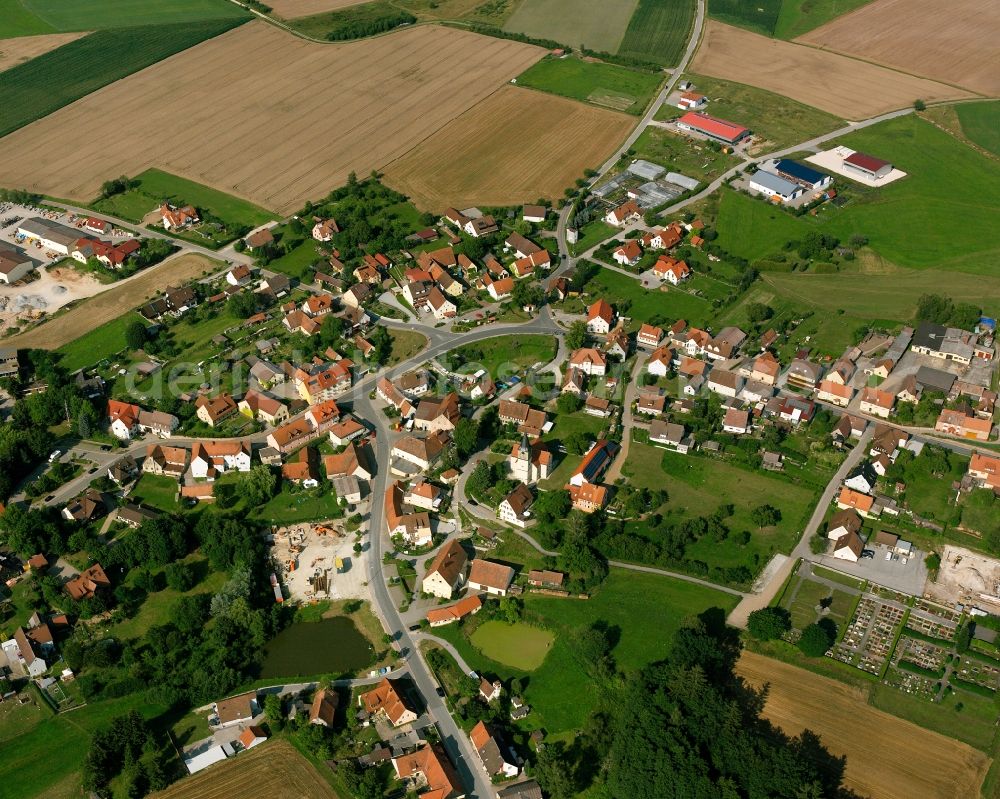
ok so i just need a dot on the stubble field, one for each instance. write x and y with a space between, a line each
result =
887 758
291 9
513 147
955 42
264 115
275 770
24 48
114 302
843 86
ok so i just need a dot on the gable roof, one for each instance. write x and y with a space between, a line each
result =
491 574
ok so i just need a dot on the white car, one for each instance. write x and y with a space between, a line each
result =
55 455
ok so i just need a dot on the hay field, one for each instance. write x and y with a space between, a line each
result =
274 769
24 48
598 26
851 89
887 758
111 304
955 42
264 115
511 148
290 9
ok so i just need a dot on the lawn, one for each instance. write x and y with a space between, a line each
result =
519 646
21 771
981 123
756 15
405 344
558 689
591 234
157 608
942 217
798 17
975 723
752 228
658 31
608 85
560 692
781 121
16 719
681 154
696 486
600 26
101 342
156 491
29 17
505 356
645 305
44 84
155 186
298 262
289 507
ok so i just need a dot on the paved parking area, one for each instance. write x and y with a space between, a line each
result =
908 578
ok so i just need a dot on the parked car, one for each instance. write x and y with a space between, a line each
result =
867 553
55 455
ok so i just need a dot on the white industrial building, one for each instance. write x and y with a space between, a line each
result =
773 186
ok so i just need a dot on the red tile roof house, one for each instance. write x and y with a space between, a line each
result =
628 212
649 336
600 318
471 605
214 410
175 218
628 254
493 578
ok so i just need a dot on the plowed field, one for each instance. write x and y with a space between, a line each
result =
955 42
843 86
264 115
513 147
887 758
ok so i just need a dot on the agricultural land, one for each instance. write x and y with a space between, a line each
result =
601 28
514 144
35 88
929 764
275 769
954 43
290 9
24 48
598 83
31 17
842 86
658 31
318 149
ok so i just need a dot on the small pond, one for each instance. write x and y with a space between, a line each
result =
306 648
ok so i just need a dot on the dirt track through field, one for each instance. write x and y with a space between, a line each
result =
957 41
264 115
513 147
291 9
111 304
273 770
843 86
887 758
24 48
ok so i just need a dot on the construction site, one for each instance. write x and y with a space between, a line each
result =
968 578
316 561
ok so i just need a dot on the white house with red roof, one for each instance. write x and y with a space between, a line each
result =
600 318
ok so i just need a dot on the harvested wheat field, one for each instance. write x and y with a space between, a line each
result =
111 304
887 758
274 770
24 48
515 146
264 115
844 86
290 9
955 42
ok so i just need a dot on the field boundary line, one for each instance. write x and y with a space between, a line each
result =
871 62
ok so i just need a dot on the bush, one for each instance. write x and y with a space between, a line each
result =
816 639
767 624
